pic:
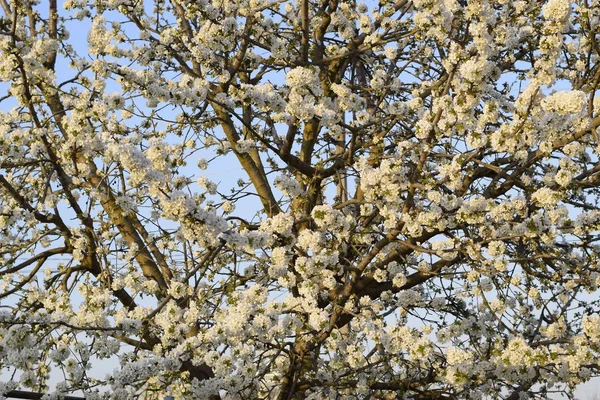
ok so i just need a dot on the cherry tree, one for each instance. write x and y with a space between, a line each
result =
299 199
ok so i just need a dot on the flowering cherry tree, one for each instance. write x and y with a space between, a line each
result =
414 214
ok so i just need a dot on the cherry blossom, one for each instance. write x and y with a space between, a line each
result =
293 199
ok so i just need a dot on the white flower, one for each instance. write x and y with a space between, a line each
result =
533 293
556 9
207 185
288 185
244 146
399 280
202 163
517 352
177 290
391 52
280 224
456 356
496 248
563 103
279 262
563 178
326 217
228 207
408 297
554 330
98 37
302 77
591 326
546 197
347 99
127 204
486 284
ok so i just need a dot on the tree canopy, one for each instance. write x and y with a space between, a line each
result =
299 199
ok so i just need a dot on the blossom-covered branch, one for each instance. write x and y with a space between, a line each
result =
299 199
